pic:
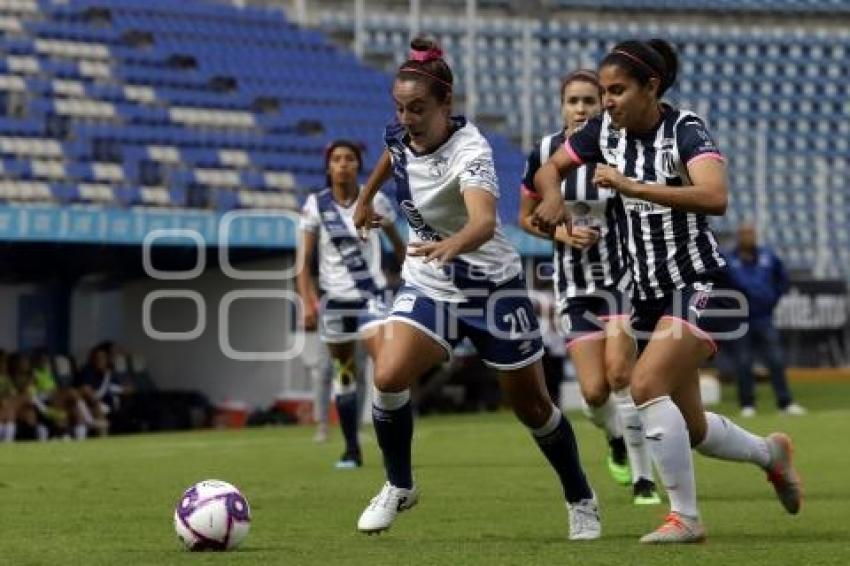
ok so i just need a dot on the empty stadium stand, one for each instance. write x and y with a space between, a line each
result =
202 104
777 100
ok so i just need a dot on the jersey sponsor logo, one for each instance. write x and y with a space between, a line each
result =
638 205
481 168
396 152
414 218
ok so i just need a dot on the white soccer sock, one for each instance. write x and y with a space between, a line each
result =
605 417
667 437
727 441
41 432
85 412
81 431
633 433
389 401
11 430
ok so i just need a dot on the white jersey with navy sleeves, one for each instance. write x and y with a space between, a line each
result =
430 189
335 278
668 248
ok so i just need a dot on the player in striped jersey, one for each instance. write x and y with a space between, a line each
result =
350 277
463 279
665 166
590 271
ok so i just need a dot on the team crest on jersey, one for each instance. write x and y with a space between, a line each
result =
668 158
437 166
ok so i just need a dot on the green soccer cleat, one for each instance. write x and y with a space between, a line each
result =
618 462
645 492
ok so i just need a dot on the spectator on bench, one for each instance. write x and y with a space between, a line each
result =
8 401
99 389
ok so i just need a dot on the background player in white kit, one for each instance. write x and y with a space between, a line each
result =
591 276
462 279
351 278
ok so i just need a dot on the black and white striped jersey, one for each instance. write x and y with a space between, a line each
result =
667 248
582 272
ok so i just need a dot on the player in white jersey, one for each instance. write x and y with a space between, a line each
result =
590 277
351 279
462 280
670 175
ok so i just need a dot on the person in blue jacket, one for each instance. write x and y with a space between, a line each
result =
760 275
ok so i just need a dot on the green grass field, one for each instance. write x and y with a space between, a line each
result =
487 498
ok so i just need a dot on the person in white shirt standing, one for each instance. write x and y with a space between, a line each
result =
462 278
351 278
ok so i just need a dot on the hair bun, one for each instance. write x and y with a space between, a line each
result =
424 55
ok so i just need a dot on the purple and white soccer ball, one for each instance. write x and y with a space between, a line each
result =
212 515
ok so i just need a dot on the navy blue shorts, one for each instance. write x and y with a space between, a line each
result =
710 306
348 320
586 315
499 321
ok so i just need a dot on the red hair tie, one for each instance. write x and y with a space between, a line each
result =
425 56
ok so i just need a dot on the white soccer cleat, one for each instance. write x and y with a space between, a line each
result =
676 529
584 519
781 472
748 412
384 507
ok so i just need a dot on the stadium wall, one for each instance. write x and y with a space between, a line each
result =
252 325
9 298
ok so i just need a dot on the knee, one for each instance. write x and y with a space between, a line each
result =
642 386
595 393
533 414
388 379
618 372
533 411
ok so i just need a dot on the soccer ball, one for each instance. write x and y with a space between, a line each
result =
212 515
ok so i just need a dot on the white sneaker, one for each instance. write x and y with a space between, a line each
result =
321 434
383 508
748 412
584 519
795 410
